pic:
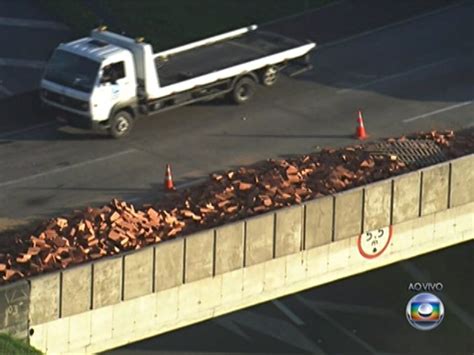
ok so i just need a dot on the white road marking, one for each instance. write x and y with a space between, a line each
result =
23 130
355 309
190 183
334 323
395 76
25 63
231 326
280 329
5 91
394 24
288 312
19 22
448 108
304 12
65 168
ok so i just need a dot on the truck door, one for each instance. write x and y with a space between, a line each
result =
115 87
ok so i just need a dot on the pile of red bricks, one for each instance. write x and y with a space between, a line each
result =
454 144
227 196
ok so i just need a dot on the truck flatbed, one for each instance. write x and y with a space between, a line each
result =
223 54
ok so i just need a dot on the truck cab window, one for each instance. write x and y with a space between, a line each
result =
113 72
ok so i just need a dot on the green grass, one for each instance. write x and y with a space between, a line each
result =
173 22
12 346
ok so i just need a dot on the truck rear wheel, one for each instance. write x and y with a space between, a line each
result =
270 76
121 124
243 91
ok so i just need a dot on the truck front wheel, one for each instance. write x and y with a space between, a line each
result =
121 124
243 91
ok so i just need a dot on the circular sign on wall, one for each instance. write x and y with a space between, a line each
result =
373 243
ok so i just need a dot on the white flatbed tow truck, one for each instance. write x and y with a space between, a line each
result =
106 81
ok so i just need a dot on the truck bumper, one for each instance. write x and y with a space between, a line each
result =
76 120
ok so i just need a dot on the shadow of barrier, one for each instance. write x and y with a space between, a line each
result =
128 297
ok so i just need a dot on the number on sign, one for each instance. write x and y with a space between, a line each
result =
373 243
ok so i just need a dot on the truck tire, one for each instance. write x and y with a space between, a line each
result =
243 90
121 124
270 76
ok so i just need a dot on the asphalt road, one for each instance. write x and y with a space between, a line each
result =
364 314
28 35
408 76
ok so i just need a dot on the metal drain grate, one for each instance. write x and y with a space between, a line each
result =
416 153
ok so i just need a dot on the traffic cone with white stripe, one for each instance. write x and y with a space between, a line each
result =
169 185
360 130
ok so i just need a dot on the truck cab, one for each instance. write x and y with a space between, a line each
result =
85 80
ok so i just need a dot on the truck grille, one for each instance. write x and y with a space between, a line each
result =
64 100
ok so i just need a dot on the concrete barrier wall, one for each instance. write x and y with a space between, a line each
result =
199 256
406 197
259 239
434 189
229 248
14 309
462 181
138 268
377 205
169 264
159 312
318 226
288 230
324 229
107 282
348 209
76 290
44 298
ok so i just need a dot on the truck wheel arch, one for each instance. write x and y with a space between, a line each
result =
130 108
250 75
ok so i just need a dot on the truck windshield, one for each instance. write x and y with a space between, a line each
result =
72 70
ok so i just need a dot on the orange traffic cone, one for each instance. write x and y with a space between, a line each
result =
169 185
360 130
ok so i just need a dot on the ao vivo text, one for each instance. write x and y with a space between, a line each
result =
425 286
